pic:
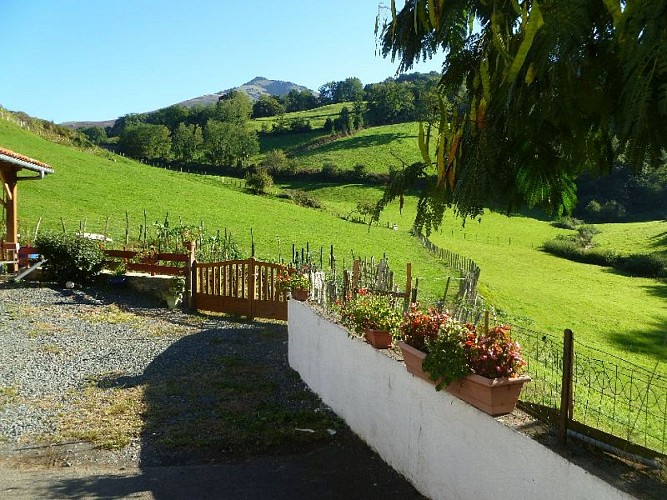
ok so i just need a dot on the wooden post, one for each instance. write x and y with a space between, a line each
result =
127 228
408 286
444 298
252 243
190 275
486 322
355 277
566 385
10 186
251 285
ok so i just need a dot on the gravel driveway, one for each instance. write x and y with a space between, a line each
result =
107 381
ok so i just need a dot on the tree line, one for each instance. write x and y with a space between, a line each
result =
219 135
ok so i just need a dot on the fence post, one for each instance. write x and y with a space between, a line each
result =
566 385
408 286
190 276
355 276
251 286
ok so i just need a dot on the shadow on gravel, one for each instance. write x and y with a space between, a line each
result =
225 417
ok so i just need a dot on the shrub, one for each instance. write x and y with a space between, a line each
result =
331 170
259 182
585 234
567 222
277 162
70 258
301 198
359 171
647 265
571 250
446 358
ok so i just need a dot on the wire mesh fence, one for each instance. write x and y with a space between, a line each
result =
611 399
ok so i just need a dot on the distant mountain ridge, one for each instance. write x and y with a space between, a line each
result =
255 88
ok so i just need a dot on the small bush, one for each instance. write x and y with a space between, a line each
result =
331 170
647 265
571 250
259 182
70 258
276 162
301 198
567 222
585 234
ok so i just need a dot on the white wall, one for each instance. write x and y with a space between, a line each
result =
445 447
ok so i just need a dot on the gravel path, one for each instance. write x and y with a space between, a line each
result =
56 342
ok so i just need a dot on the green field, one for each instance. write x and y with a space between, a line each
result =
89 188
377 148
619 314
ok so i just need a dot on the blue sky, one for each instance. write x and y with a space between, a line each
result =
74 60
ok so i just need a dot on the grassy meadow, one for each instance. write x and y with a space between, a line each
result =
91 188
376 148
619 314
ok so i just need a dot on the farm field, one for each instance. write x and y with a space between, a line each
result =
89 188
377 148
618 314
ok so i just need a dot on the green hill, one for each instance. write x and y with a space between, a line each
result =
89 188
620 314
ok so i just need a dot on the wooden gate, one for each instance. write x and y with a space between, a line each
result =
245 287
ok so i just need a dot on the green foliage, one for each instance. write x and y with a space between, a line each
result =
259 182
277 162
96 135
350 89
146 141
567 222
233 107
267 105
549 89
301 197
229 144
370 312
187 142
646 265
70 258
446 359
389 102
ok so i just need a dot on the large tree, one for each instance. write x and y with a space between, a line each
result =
229 144
146 141
546 90
186 142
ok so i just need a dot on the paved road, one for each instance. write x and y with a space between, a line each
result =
337 471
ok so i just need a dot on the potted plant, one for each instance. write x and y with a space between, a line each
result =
374 316
416 327
496 363
295 282
482 369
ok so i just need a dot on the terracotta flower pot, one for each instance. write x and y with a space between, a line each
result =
300 294
380 339
494 396
413 359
